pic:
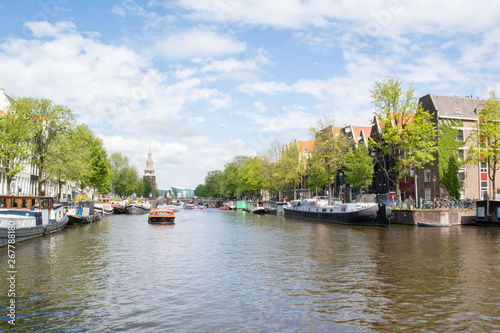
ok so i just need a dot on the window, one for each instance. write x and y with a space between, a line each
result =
460 136
484 168
427 175
461 175
427 194
461 155
462 194
457 111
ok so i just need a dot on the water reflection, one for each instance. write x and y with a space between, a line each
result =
234 271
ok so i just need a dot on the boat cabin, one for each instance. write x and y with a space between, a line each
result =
25 202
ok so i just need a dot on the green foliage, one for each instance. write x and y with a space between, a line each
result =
291 166
450 178
16 131
214 184
448 164
49 120
147 187
157 193
125 176
253 175
485 139
407 135
200 191
99 175
359 167
231 176
330 149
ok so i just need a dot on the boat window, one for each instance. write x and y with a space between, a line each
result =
24 203
13 203
3 202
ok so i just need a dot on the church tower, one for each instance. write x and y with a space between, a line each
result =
149 174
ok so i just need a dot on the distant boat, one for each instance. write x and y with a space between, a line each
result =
173 208
259 209
162 216
193 206
28 216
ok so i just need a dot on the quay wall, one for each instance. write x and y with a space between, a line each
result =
444 217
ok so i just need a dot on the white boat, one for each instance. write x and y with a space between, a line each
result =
104 206
25 217
172 208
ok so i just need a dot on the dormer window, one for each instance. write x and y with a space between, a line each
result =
458 112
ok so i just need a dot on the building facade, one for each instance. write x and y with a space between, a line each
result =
473 179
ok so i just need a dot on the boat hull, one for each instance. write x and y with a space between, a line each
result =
135 209
161 216
25 233
377 215
161 220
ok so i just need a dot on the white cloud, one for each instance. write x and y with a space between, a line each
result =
198 42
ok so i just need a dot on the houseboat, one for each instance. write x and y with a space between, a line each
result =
27 217
357 214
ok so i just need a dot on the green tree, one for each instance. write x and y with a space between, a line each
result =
485 146
330 149
147 187
291 167
125 175
450 178
231 177
67 158
214 183
448 164
253 175
157 193
200 191
407 135
359 167
100 175
16 131
50 119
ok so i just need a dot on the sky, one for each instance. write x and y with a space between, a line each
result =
201 81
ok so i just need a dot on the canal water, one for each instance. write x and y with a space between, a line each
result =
228 271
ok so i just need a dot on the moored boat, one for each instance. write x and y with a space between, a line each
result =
163 216
136 209
488 213
104 206
27 217
431 224
357 214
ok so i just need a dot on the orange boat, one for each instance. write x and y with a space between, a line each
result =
160 215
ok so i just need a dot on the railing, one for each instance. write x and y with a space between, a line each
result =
436 204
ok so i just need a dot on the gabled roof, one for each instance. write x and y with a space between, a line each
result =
456 107
306 146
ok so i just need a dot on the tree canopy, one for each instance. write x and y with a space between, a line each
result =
407 135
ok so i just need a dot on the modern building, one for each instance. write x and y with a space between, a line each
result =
182 192
149 174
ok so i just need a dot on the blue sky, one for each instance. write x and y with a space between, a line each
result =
200 81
